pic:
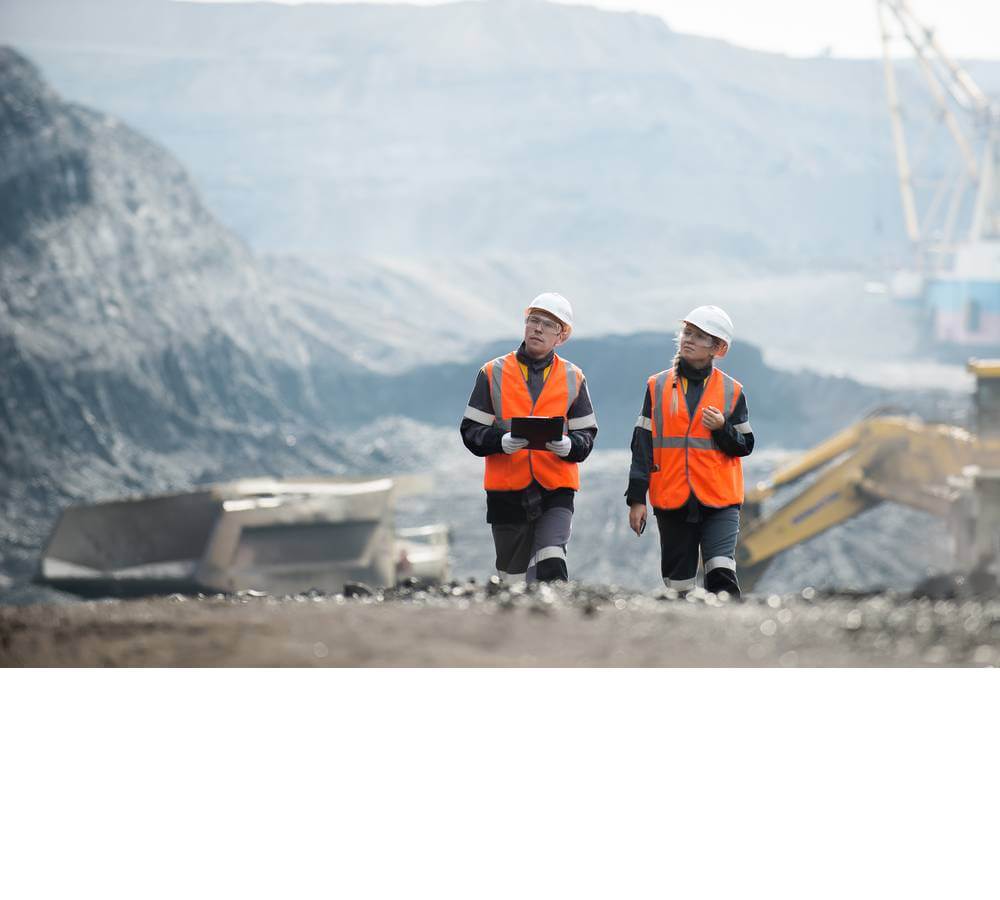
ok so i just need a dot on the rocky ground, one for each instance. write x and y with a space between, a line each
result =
469 624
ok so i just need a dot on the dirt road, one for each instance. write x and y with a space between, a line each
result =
469 625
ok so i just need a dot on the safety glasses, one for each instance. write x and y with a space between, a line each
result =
547 325
697 337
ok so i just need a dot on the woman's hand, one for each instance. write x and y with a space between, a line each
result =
712 418
637 517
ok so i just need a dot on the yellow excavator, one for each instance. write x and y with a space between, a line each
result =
941 469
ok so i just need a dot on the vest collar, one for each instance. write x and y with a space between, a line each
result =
534 365
686 370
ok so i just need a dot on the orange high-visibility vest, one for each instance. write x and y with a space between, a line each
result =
511 397
685 458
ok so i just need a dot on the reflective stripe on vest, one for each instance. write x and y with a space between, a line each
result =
511 397
685 457
495 375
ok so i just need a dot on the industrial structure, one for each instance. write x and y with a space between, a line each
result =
952 217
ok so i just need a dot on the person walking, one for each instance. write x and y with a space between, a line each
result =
530 493
687 447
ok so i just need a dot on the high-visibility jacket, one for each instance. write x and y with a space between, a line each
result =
511 397
685 457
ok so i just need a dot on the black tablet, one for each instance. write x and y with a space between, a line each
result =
537 429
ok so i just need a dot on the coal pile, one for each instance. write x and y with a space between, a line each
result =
475 624
142 349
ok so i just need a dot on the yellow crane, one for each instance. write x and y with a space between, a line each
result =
882 458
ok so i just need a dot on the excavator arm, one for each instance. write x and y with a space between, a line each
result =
898 459
836 496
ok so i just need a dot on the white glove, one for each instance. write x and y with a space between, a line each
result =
512 444
560 447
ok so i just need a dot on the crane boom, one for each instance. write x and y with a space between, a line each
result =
950 86
940 100
898 135
961 85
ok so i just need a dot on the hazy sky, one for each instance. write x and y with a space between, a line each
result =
966 28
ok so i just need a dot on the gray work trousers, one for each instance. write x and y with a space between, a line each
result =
536 549
713 536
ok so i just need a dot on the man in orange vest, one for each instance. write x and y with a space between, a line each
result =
686 450
529 493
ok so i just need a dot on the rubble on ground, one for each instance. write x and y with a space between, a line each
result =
493 624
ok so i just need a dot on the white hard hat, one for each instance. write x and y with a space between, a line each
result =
556 305
714 321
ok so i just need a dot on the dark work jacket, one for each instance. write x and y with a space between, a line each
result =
727 439
481 439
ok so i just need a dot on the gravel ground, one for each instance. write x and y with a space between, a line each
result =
488 625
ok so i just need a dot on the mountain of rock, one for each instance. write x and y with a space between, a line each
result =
481 127
141 347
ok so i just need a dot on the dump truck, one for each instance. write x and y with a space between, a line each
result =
279 536
951 472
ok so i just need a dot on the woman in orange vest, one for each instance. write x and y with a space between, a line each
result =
686 451
529 493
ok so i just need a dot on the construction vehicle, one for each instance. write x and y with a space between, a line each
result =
279 536
951 208
941 469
